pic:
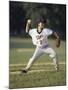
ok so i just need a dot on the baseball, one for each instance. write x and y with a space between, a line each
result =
29 21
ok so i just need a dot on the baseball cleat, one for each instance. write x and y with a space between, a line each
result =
57 68
24 71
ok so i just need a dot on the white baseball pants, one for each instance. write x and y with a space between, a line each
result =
39 51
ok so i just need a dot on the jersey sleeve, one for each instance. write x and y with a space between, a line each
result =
49 32
31 32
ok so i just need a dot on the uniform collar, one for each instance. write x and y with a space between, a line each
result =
39 32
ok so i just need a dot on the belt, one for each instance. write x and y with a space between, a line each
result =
45 46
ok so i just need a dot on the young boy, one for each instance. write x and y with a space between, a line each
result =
39 37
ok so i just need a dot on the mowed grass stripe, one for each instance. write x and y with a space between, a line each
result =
32 71
24 50
35 64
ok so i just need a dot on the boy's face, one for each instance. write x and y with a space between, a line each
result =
40 26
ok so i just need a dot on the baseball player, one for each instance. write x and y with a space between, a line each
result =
39 37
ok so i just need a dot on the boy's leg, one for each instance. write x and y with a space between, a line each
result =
36 54
53 55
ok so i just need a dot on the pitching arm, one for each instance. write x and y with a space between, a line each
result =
28 25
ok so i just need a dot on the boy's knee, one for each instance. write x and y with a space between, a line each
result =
53 54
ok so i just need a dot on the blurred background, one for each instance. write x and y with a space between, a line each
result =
19 12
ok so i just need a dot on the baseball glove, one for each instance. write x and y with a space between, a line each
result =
57 43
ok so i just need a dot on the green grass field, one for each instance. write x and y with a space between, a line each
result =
42 73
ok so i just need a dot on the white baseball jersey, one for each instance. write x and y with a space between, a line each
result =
40 39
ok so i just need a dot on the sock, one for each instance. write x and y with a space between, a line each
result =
55 61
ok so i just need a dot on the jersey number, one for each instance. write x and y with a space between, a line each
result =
40 41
